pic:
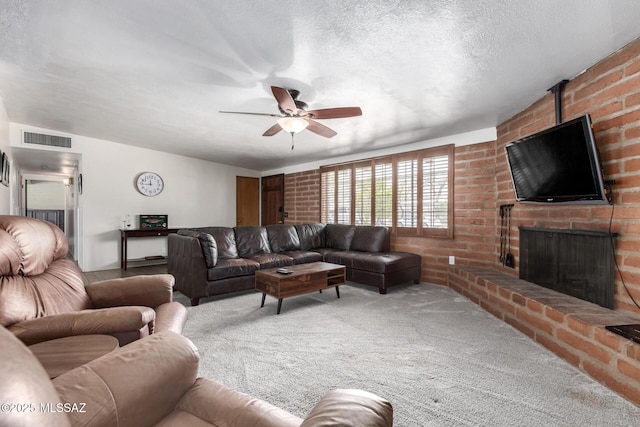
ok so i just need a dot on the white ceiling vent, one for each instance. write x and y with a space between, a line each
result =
49 140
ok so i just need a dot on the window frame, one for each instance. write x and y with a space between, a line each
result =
418 193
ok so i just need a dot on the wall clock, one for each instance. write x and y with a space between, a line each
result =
149 183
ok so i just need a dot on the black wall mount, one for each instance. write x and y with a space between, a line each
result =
557 92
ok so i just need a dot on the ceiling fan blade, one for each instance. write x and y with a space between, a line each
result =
253 114
272 130
320 129
335 113
285 101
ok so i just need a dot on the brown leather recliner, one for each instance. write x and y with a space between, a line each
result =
153 382
43 295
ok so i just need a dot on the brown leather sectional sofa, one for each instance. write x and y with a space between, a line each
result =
208 261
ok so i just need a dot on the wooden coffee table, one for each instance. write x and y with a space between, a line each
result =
63 354
304 278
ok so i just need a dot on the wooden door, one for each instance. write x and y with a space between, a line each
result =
273 199
247 201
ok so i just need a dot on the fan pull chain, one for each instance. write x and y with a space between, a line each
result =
291 141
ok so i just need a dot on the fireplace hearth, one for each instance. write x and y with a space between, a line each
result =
575 262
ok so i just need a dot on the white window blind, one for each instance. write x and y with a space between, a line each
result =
344 196
435 192
362 195
384 194
328 196
407 199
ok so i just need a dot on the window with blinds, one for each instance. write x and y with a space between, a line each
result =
407 193
410 192
328 197
383 196
362 195
435 192
343 196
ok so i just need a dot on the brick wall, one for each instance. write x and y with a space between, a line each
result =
302 197
610 92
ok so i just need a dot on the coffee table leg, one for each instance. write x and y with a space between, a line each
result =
337 292
264 295
279 305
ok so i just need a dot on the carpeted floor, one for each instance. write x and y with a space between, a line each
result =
440 359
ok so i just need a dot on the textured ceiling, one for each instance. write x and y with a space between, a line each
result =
155 73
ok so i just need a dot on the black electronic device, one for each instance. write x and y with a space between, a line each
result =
558 165
631 332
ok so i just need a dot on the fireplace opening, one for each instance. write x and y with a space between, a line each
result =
579 263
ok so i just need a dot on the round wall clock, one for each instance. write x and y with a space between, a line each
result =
149 183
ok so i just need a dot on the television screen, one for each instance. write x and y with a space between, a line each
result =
558 165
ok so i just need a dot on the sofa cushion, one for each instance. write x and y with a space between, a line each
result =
303 257
324 251
225 240
383 262
339 236
234 267
207 243
19 254
283 237
342 257
311 235
252 240
371 239
271 260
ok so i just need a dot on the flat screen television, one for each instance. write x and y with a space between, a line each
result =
558 165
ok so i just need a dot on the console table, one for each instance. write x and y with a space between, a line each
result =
130 233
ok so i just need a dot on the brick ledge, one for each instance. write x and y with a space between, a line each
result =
571 328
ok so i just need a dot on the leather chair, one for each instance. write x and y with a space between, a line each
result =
153 382
43 295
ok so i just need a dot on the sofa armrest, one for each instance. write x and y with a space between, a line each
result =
85 322
218 405
208 245
133 386
146 290
171 316
343 407
187 264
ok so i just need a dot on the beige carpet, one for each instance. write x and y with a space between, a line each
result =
440 359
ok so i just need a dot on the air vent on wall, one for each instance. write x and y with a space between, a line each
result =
49 140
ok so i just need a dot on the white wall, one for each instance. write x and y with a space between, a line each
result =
47 195
5 195
196 193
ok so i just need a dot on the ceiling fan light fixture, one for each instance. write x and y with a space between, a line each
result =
293 124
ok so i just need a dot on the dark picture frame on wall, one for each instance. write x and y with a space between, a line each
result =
2 156
4 168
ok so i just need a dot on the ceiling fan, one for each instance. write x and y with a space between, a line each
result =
295 117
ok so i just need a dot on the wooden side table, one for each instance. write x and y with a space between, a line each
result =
63 354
